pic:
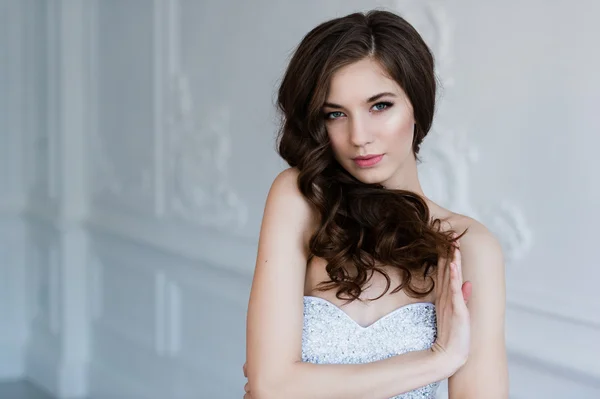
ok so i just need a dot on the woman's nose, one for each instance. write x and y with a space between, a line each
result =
360 134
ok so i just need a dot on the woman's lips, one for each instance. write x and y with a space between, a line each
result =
367 161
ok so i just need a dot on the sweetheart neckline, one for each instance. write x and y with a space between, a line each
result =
387 315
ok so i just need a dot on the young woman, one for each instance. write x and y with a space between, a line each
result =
363 287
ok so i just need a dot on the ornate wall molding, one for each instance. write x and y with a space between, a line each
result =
122 164
448 154
184 177
197 142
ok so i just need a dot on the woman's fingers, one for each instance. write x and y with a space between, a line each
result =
455 283
442 267
458 260
450 283
467 288
247 385
448 276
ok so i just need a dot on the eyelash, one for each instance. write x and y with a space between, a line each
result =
386 103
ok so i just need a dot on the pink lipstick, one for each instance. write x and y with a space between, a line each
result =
367 160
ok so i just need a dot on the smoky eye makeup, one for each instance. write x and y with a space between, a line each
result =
387 104
331 115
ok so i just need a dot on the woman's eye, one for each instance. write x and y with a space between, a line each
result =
334 115
383 105
378 107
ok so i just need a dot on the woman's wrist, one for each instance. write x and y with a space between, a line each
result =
445 363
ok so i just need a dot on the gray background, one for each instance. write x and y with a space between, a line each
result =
137 148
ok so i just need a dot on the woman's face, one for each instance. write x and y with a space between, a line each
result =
368 114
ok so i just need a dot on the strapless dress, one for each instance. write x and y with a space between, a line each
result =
331 336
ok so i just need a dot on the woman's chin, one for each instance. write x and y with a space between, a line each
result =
370 176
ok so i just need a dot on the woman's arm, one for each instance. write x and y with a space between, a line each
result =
485 374
275 320
377 380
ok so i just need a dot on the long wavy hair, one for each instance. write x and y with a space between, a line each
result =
362 227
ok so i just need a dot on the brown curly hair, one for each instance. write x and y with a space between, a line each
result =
362 226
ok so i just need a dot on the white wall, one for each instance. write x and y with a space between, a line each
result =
135 179
44 325
13 301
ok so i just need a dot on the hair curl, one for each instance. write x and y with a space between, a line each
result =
362 226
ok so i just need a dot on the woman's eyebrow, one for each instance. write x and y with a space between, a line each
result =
369 100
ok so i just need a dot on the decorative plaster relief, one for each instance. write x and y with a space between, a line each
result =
200 189
448 157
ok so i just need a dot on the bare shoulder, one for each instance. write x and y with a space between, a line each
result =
286 203
274 317
285 185
479 246
486 372
482 257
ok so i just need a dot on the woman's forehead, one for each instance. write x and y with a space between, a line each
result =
357 82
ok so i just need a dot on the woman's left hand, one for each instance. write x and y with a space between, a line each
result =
247 386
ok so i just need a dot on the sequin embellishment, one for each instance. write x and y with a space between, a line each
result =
330 336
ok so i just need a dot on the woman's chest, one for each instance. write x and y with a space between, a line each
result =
370 308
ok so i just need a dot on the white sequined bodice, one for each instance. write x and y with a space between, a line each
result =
330 336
